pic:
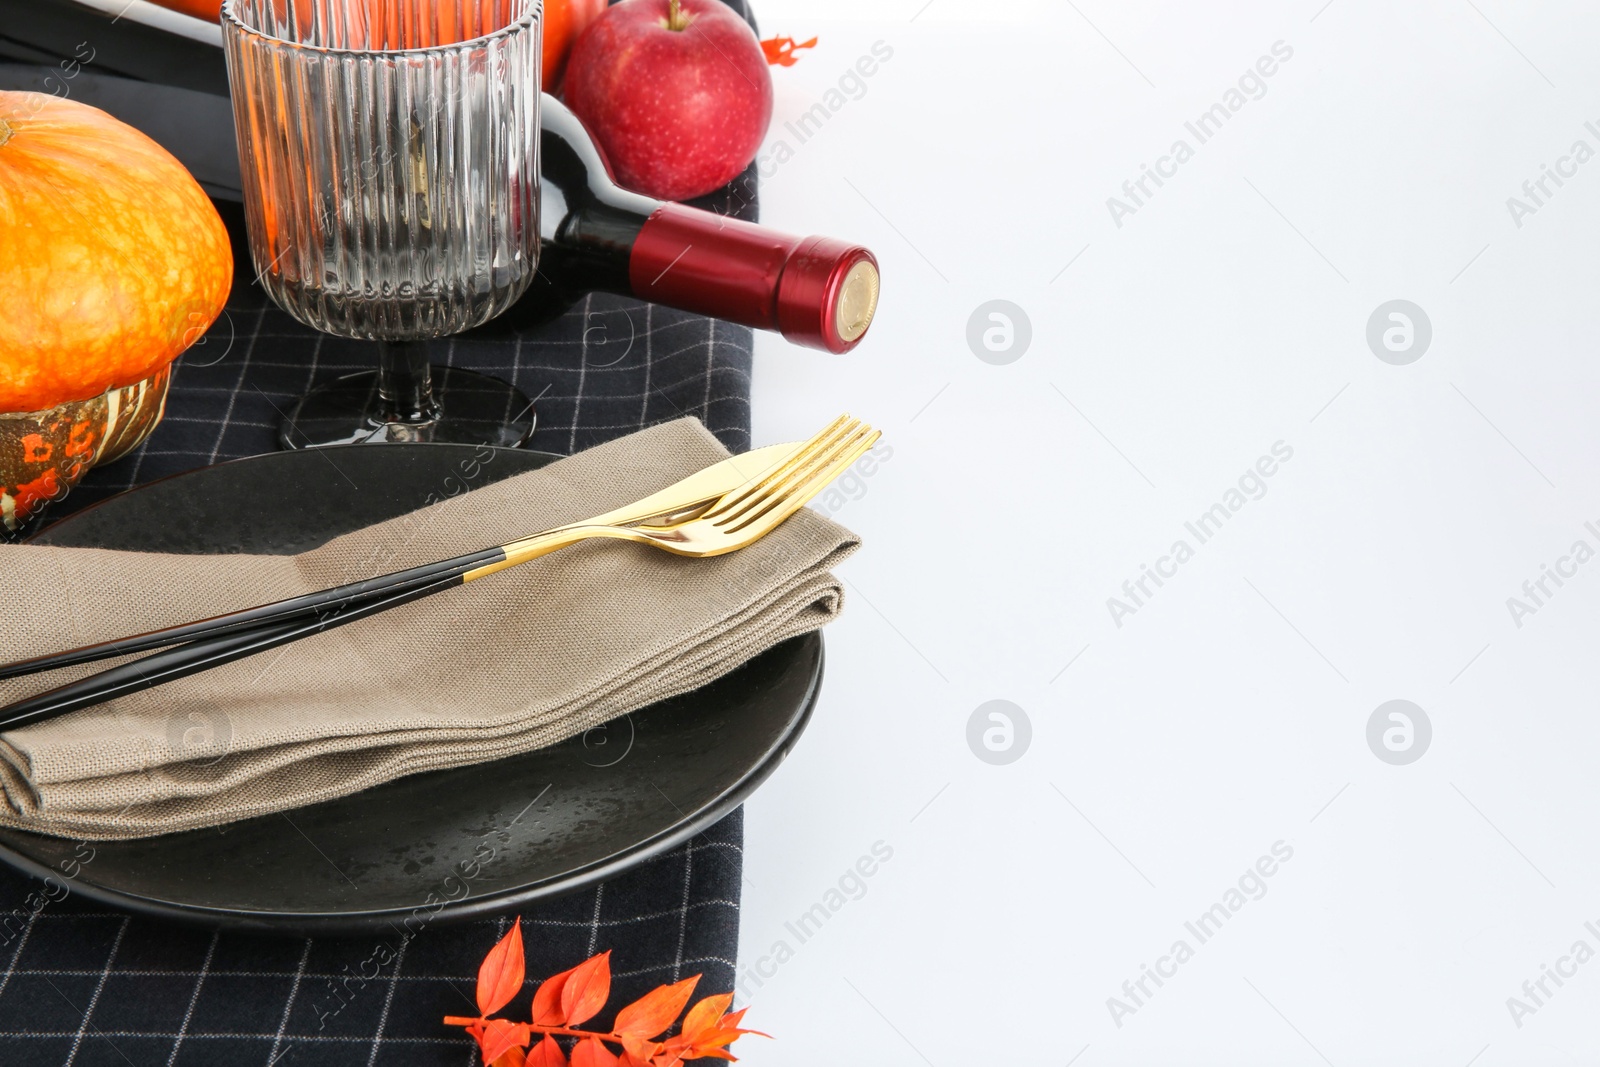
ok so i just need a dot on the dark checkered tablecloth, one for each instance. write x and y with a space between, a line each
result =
95 988
86 987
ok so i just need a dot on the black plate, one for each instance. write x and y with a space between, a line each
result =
446 844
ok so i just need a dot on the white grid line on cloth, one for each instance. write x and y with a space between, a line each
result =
173 452
619 371
308 976
516 372
644 397
316 359
94 998
22 943
206 422
366 361
219 1036
594 923
683 913
286 397
688 961
233 400
288 1003
466 344
418 979
194 998
711 362
583 372
388 1001
138 462
649 363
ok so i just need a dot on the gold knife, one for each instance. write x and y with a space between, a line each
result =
702 487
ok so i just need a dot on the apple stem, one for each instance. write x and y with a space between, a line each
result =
677 19
5 132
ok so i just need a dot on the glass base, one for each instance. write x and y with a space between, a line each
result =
474 409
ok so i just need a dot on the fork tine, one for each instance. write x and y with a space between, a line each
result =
786 504
822 460
802 473
796 497
834 429
772 477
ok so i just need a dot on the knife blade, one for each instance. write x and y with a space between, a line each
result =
701 487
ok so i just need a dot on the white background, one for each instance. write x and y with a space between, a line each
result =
1229 712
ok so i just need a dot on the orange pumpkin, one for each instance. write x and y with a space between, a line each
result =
112 259
564 23
564 20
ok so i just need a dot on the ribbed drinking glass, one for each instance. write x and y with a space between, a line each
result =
389 152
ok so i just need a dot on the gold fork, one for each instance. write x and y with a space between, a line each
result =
730 522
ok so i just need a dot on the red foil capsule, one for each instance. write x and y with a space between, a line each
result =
816 291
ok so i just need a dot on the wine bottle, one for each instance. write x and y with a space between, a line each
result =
595 235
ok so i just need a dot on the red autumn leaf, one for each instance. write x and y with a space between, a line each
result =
500 977
640 1048
712 1040
547 1000
668 1058
655 1011
780 50
591 1053
546 1054
586 990
512 1058
706 1014
499 1035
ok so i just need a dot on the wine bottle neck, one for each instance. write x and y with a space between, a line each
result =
817 291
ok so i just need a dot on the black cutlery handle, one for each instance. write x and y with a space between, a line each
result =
251 618
202 655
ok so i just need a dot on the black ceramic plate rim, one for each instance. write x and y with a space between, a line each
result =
358 922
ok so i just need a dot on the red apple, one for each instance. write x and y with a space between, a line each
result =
677 92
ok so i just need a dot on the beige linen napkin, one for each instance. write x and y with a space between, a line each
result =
514 662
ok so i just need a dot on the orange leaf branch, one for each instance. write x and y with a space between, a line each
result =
564 1002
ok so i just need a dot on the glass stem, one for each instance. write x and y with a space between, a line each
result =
405 382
